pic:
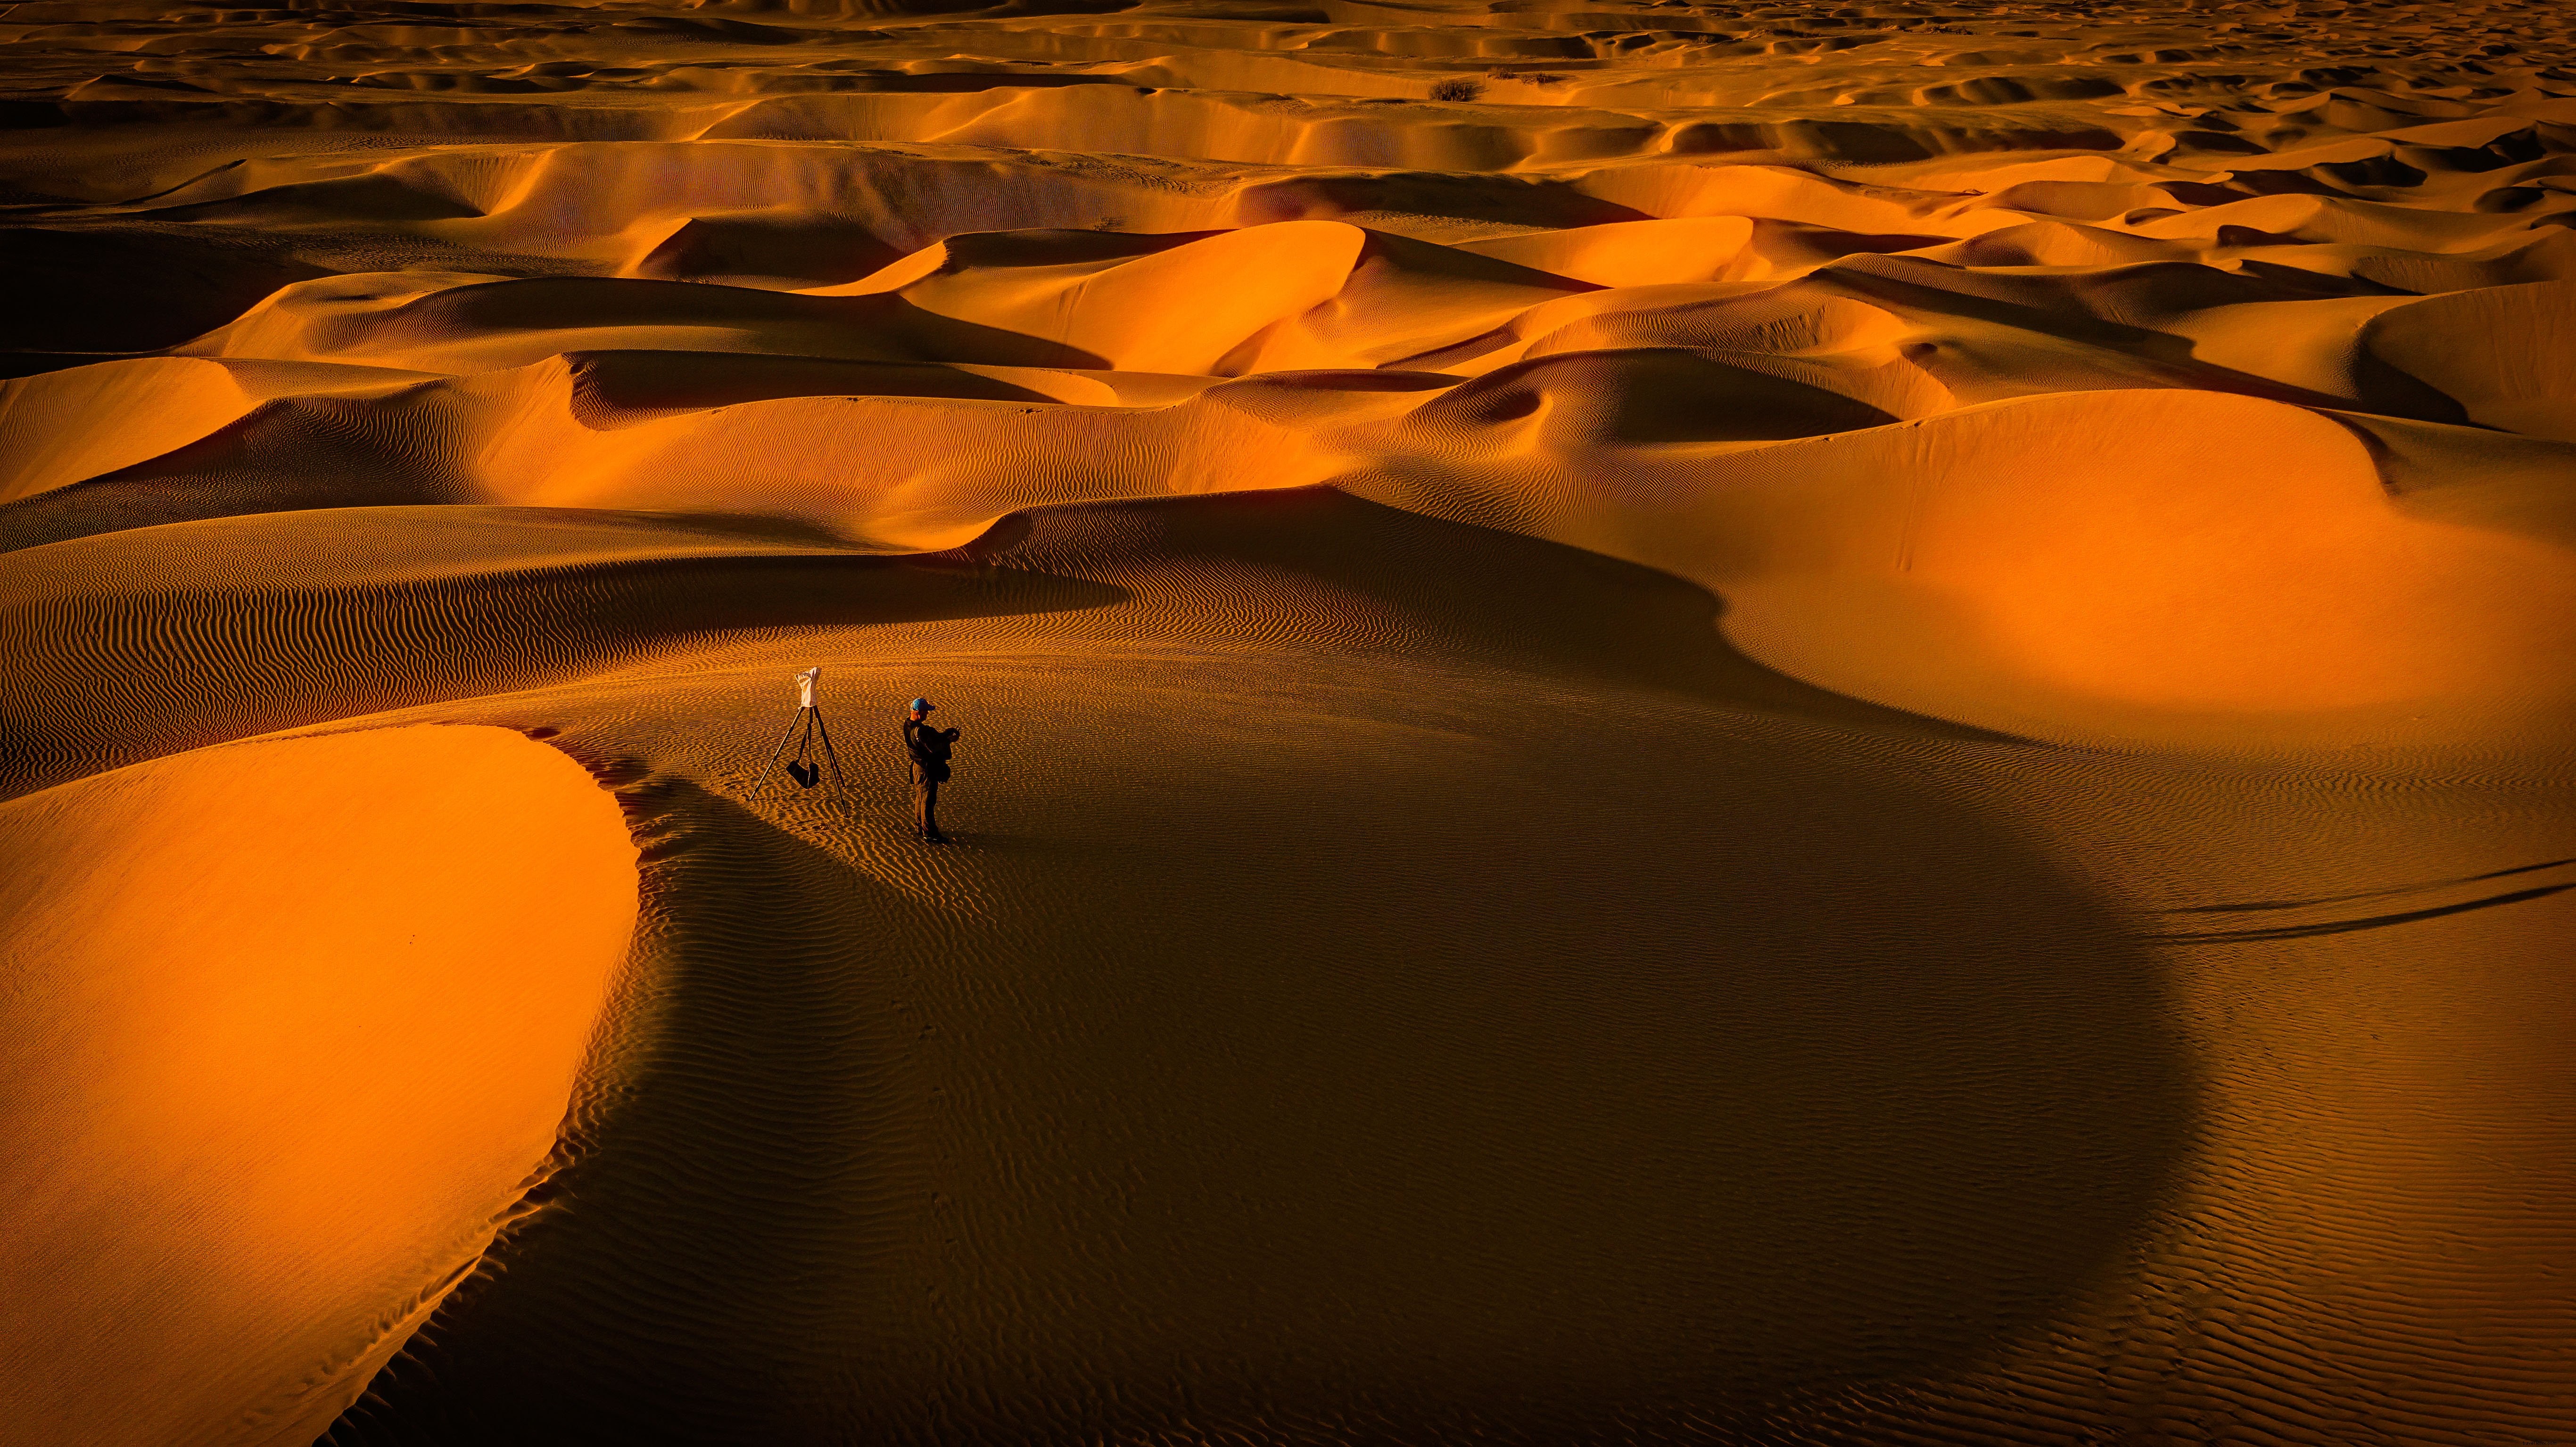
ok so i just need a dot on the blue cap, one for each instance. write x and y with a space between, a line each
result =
923 705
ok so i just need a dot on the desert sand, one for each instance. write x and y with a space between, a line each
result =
1797 724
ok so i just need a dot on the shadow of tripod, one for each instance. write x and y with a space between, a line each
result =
805 728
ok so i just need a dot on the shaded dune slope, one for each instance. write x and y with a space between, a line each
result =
1469 1140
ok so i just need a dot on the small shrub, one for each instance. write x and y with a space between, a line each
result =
1457 90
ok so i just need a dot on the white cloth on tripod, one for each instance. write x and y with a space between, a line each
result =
805 687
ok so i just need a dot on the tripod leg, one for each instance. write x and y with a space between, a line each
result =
837 781
763 780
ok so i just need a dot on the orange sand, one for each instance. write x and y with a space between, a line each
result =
1789 724
293 1026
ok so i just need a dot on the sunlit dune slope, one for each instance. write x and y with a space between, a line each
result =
293 1027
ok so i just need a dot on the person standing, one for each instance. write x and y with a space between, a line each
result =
928 749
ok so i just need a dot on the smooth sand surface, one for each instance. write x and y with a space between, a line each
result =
293 1027
1807 724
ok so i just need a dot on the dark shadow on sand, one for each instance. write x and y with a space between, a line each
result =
1537 1097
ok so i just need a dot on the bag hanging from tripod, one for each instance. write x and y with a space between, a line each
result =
806 775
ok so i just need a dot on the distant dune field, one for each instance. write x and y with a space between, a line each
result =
1795 724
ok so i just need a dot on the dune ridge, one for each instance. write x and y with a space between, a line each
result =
1796 725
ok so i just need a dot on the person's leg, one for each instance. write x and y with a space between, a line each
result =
930 811
921 807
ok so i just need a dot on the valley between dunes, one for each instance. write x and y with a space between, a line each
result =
1791 724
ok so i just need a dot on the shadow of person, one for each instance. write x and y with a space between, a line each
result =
1387 1057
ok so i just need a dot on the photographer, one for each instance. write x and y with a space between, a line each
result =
928 748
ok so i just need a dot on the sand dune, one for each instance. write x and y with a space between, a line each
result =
2498 353
1805 724
295 1026
1988 564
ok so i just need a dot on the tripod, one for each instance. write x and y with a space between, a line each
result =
804 728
